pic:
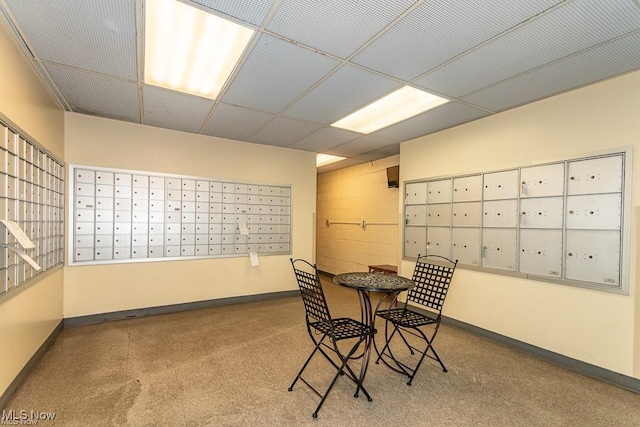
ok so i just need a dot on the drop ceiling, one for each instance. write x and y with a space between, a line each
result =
313 62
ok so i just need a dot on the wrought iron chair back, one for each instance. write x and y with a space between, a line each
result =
315 303
432 276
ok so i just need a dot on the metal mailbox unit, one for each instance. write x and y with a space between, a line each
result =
32 197
562 221
132 216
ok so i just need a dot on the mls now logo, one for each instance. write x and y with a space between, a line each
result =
25 417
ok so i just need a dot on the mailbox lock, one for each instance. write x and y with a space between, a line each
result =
570 253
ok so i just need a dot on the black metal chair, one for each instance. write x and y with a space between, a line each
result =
322 327
432 276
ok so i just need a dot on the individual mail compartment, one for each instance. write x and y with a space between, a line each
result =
156 228
139 252
173 206
600 175
227 239
122 179
144 216
121 253
227 249
467 214
593 212
542 181
122 192
544 212
122 216
466 245
157 194
173 183
499 248
253 189
104 178
104 190
172 217
140 193
123 240
86 241
83 254
141 181
239 248
173 228
122 228
188 206
104 228
202 218
139 228
202 196
156 182
188 196
104 203
215 250
140 205
122 204
172 239
84 228
85 215
215 186
155 251
103 241
174 195
241 199
501 185
104 215
467 188
85 176
415 193
439 241
83 189
500 213
139 240
439 215
202 250
188 228
189 184
202 239
155 240
415 241
241 188
541 252
189 217
415 214
593 256
85 202
156 205
188 239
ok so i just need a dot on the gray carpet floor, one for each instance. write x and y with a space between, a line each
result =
232 365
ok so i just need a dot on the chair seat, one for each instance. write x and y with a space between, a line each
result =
406 318
343 328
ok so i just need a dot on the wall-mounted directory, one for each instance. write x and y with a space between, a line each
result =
128 216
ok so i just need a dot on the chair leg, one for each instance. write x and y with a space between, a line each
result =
307 362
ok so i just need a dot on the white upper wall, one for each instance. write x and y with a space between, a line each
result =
593 326
93 141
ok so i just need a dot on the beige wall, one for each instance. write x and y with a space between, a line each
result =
593 326
351 195
29 316
94 141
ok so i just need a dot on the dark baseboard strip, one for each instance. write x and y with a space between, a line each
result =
174 308
626 382
37 356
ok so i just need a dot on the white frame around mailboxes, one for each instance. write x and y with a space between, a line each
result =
450 212
244 229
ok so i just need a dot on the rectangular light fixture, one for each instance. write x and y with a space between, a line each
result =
327 159
189 50
397 106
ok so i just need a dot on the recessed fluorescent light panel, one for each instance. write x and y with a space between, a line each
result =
189 50
327 159
397 106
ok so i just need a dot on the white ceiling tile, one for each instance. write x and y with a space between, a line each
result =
275 74
174 110
230 121
93 35
253 12
439 30
575 26
343 92
96 94
613 58
364 144
336 27
283 132
324 139
445 116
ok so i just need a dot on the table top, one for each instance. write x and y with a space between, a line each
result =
374 282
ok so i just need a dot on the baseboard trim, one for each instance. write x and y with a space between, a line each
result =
24 372
580 367
173 308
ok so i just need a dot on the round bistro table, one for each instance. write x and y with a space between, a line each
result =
365 283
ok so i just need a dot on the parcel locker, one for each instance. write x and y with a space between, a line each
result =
415 193
439 241
499 248
601 175
593 256
593 212
467 214
544 212
439 191
501 185
466 245
415 241
542 181
500 213
439 215
541 252
467 189
415 214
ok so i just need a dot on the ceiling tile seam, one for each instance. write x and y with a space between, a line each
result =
84 70
318 130
209 115
546 64
217 13
24 45
140 30
492 39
